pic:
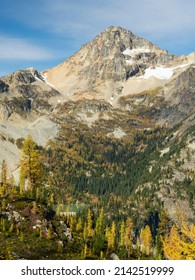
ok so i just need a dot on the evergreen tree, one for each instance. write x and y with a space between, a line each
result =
99 243
99 228
159 247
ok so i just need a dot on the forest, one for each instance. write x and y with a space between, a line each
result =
86 196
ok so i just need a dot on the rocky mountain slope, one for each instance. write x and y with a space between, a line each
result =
101 67
118 87
131 74
26 103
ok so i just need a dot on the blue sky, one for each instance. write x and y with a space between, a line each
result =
42 33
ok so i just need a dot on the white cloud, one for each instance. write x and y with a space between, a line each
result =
144 15
12 48
69 24
82 20
88 16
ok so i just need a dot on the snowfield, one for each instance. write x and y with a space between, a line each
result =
163 73
158 72
133 52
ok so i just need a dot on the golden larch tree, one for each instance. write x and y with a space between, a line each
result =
31 168
146 240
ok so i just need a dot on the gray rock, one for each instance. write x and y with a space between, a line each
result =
113 256
5 111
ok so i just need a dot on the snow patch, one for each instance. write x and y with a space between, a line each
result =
163 73
38 79
135 51
158 72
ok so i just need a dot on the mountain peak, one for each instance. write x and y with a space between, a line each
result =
124 36
105 63
116 29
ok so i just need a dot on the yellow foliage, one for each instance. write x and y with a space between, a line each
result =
146 240
90 230
128 235
31 170
180 243
111 235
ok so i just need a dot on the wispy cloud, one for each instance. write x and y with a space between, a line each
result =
12 48
144 15
84 19
165 21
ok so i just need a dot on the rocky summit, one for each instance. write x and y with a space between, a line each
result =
101 68
115 124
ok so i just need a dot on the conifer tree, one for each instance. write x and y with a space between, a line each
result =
159 247
85 251
99 224
99 233
122 234
85 234
49 233
79 225
4 204
172 245
31 169
51 199
11 228
72 224
111 236
34 208
146 240
3 224
58 209
128 238
180 243
89 224
8 253
3 186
